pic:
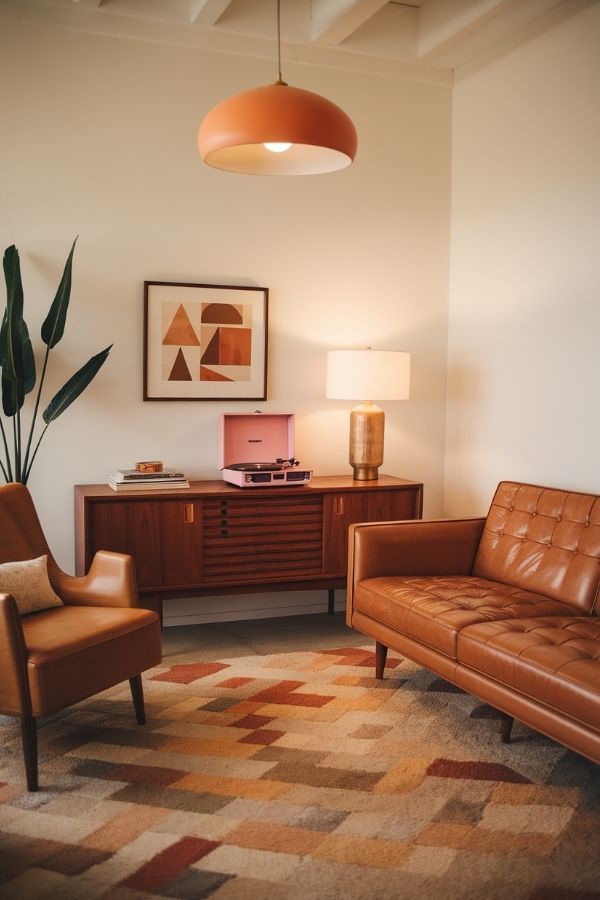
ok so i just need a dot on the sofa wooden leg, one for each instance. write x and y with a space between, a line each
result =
30 750
506 728
137 694
380 657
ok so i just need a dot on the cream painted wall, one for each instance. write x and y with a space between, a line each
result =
524 366
99 140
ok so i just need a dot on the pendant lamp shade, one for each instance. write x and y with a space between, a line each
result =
310 134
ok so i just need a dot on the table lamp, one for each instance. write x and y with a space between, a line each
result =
367 375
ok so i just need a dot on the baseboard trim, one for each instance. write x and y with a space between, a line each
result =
235 608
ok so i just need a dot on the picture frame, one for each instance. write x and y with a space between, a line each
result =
205 341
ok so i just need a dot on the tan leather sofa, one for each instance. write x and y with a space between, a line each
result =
506 607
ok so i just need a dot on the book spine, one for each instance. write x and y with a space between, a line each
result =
150 486
160 476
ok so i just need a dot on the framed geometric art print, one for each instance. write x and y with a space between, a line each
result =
205 341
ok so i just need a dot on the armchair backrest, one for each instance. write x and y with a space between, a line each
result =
543 540
21 535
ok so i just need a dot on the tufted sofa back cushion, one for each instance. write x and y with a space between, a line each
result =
543 540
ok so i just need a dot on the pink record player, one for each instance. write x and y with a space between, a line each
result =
257 450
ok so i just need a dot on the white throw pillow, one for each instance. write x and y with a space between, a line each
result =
29 584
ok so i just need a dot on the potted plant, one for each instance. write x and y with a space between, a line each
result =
17 364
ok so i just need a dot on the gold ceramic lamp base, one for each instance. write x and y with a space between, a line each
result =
367 423
379 374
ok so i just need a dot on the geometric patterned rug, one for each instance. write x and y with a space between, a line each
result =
296 775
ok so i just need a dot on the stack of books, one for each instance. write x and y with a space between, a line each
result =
133 480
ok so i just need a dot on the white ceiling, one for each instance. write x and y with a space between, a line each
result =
421 39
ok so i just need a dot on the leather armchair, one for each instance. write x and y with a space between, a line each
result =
56 657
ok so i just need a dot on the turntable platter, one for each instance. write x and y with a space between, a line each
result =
256 467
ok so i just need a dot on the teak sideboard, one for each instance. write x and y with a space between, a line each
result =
213 538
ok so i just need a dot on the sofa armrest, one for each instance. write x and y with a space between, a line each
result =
412 547
109 582
14 685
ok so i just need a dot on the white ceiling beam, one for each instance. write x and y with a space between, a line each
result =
178 32
334 20
447 21
207 12
451 32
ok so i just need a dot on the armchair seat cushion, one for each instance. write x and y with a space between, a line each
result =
76 651
555 661
433 609
70 629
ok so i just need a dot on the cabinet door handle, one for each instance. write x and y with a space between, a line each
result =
339 506
188 513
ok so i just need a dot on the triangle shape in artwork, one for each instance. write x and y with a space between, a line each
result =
210 375
180 371
211 354
181 331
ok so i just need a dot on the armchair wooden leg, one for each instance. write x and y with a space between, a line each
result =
30 750
380 657
137 695
506 728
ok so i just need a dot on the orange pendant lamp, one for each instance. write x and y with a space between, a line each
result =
277 130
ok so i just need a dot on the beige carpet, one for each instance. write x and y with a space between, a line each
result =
296 775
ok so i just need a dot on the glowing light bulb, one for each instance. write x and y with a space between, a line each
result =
277 147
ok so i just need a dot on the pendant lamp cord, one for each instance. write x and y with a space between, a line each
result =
279 78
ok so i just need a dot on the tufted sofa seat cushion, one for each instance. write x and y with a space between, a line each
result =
555 661
434 609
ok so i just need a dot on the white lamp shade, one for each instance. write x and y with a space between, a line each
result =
368 375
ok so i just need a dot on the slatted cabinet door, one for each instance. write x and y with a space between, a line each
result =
256 539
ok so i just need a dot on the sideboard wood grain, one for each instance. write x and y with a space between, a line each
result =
215 538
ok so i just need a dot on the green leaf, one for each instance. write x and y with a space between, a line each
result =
26 358
13 396
54 323
14 286
11 345
74 387
3 328
25 354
